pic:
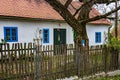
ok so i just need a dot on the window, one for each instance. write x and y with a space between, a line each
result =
83 42
45 35
11 34
98 37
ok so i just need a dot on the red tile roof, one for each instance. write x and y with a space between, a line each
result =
40 9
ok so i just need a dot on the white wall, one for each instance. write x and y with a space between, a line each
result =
91 29
27 29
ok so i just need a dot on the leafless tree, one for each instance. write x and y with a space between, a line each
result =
80 17
82 13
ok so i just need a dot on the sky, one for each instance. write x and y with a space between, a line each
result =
103 8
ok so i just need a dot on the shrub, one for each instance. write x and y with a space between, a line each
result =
115 43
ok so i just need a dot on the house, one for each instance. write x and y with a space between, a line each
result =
23 20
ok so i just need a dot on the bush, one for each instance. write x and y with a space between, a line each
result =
115 43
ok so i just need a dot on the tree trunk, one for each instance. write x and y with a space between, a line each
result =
83 36
81 50
71 20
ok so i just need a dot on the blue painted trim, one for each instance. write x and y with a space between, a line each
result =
10 28
48 39
83 42
98 37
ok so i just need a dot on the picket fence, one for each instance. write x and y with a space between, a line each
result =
26 61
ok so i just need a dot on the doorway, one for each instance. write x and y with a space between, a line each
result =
59 41
59 36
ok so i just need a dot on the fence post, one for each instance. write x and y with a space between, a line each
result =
105 50
36 60
37 42
77 60
65 52
2 61
114 58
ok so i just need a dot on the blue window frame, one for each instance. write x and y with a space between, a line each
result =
11 34
45 35
98 37
83 42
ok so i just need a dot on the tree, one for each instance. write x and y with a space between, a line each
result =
116 21
82 14
113 32
113 17
79 19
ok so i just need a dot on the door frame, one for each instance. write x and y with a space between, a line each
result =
59 29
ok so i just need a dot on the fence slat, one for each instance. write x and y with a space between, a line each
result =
2 62
21 62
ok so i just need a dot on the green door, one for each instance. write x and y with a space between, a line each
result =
59 36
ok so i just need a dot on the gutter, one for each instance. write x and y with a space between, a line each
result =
29 19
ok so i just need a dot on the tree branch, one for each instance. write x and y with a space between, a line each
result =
65 13
102 1
77 11
101 16
68 2
85 10
81 7
105 1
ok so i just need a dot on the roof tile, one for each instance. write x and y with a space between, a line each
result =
40 9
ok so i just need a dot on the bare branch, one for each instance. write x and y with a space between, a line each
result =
101 1
105 1
77 11
68 3
101 16
84 12
81 7
65 13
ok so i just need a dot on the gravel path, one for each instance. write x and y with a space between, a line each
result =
112 73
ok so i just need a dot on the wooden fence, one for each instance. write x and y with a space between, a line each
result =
29 62
17 62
